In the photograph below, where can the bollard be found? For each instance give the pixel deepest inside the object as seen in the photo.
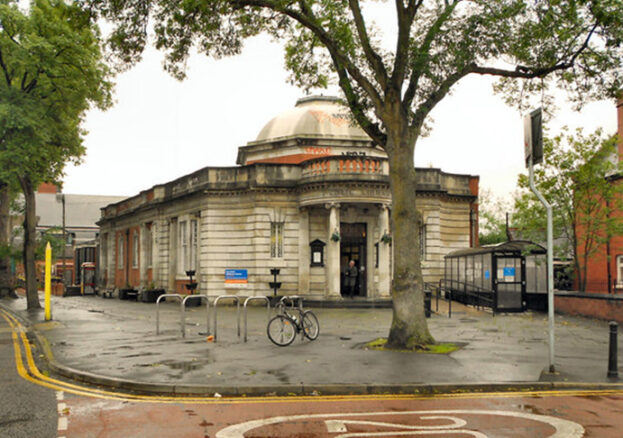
(613, 369)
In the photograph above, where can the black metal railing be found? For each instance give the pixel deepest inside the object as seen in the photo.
(468, 294)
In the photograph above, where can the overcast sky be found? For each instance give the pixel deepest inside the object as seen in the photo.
(161, 129)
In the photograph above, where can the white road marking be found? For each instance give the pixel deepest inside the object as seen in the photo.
(563, 428)
(62, 423)
(60, 408)
(60, 395)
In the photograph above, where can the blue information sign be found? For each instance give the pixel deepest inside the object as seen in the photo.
(509, 272)
(236, 277)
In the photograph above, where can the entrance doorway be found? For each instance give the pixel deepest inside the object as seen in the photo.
(353, 247)
(509, 283)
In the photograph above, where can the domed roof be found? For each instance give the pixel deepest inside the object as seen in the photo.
(316, 116)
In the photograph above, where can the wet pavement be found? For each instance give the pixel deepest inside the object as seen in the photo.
(114, 343)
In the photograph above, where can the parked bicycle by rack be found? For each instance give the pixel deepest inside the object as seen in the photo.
(282, 329)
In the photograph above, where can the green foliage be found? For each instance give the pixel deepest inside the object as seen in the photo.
(577, 180)
(53, 236)
(50, 73)
(492, 218)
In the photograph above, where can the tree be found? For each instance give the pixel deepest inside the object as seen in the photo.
(391, 92)
(51, 71)
(492, 213)
(575, 180)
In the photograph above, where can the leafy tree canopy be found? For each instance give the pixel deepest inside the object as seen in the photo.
(577, 178)
(50, 73)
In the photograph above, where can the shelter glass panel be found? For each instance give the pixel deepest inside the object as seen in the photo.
(531, 274)
(541, 273)
(486, 271)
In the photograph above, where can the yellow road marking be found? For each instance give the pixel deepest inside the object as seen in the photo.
(32, 374)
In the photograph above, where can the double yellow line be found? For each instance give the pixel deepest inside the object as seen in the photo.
(28, 370)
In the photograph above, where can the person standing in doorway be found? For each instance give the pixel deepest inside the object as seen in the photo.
(351, 278)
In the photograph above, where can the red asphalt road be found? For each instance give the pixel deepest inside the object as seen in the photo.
(503, 415)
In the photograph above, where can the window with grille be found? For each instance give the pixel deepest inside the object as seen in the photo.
(148, 249)
(120, 252)
(183, 247)
(192, 245)
(276, 239)
(135, 248)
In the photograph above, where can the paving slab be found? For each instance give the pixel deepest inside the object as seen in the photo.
(114, 342)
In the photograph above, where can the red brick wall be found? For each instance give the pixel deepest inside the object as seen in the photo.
(606, 309)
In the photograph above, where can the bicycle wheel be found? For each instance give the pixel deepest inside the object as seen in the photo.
(281, 330)
(311, 328)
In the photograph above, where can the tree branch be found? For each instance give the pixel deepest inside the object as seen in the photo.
(525, 72)
(308, 21)
(5, 70)
(375, 61)
(372, 129)
(423, 52)
(435, 97)
(405, 18)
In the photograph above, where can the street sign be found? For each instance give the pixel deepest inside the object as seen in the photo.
(533, 137)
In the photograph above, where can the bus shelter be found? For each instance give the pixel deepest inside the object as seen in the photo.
(508, 277)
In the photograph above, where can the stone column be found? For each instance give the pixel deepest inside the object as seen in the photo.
(304, 256)
(384, 253)
(333, 252)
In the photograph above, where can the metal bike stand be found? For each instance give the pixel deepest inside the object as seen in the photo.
(158, 310)
(245, 311)
(220, 297)
(183, 311)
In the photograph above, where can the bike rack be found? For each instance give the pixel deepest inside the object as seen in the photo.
(245, 311)
(158, 311)
(234, 297)
(183, 304)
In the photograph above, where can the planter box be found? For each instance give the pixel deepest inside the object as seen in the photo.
(126, 294)
(151, 295)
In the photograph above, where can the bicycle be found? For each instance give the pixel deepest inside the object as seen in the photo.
(282, 328)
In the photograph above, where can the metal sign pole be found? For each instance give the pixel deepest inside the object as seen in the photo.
(550, 266)
(533, 149)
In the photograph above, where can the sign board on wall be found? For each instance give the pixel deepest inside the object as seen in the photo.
(236, 278)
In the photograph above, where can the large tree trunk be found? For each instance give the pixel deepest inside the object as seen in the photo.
(409, 327)
(30, 240)
(6, 285)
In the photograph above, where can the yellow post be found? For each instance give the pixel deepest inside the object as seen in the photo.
(48, 281)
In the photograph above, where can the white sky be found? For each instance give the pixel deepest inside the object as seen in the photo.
(161, 129)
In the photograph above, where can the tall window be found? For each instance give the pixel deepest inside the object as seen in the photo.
(120, 252)
(276, 239)
(183, 245)
(192, 247)
(135, 248)
(147, 245)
